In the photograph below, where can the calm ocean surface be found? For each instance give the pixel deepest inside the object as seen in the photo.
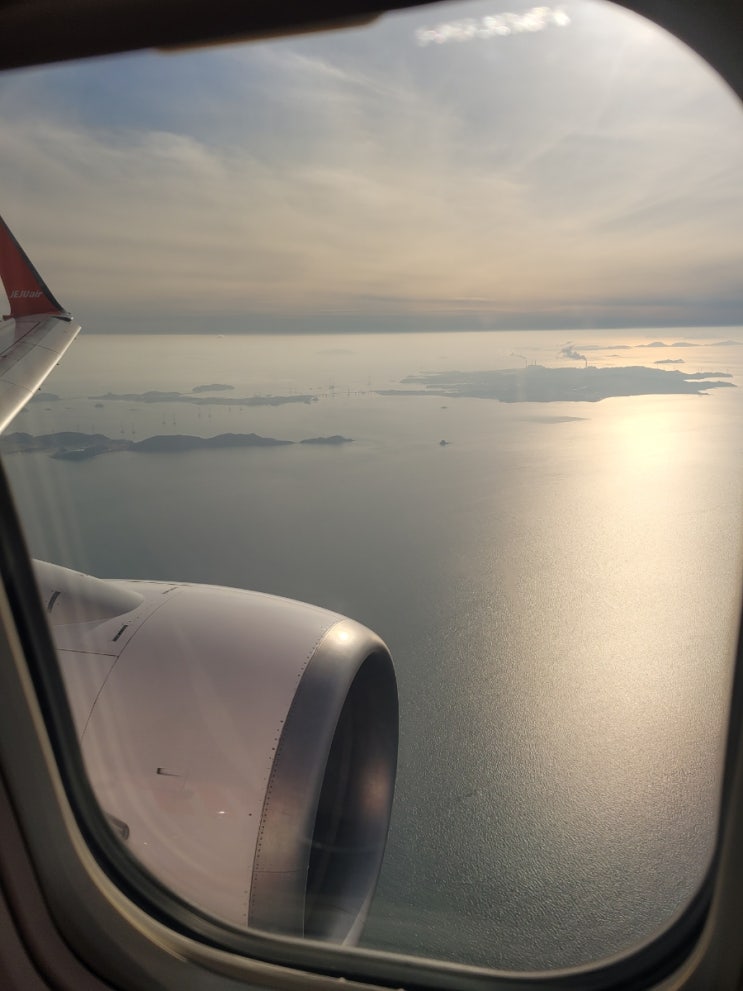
(558, 586)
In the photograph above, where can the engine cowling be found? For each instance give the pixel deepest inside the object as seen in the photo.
(244, 744)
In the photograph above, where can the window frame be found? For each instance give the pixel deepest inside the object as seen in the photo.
(86, 913)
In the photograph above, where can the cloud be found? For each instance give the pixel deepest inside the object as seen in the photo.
(493, 25)
(606, 347)
(358, 181)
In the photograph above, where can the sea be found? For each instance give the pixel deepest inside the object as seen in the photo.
(559, 583)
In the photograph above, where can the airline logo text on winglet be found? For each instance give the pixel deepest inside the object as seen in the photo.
(25, 294)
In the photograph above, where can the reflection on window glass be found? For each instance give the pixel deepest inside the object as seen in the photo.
(430, 324)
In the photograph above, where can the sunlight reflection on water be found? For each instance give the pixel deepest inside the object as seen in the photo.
(558, 586)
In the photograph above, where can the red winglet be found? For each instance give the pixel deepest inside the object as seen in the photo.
(27, 292)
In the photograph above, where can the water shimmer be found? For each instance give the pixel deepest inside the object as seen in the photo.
(558, 583)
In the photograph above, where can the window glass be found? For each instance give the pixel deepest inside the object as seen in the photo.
(481, 267)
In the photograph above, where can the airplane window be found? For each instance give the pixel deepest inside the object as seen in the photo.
(436, 325)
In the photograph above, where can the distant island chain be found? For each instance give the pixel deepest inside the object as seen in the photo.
(70, 445)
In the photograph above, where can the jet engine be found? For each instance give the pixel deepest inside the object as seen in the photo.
(243, 745)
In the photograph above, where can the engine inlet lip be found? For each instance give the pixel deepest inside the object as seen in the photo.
(346, 701)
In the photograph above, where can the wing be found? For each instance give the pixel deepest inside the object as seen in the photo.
(34, 335)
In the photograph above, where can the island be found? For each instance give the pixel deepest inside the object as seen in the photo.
(156, 396)
(335, 439)
(167, 443)
(540, 384)
(68, 445)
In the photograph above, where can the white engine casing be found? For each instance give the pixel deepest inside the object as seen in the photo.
(246, 744)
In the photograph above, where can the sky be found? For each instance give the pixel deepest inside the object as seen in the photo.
(471, 165)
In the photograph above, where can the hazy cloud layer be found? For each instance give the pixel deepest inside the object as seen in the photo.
(359, 180)
(662, 344)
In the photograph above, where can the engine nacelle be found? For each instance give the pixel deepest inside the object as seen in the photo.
(245, 744)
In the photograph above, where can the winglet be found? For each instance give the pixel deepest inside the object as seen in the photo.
(27, 292)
